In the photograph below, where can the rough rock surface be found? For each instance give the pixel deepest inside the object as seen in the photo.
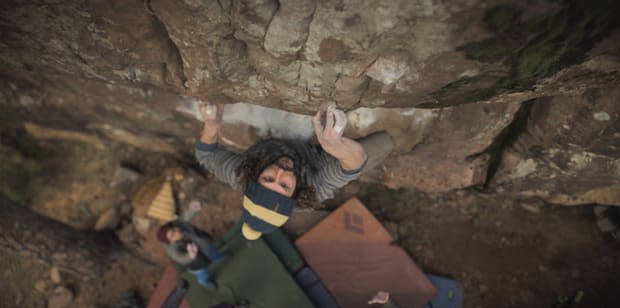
(302, 52)
(450, 157)
(569, 150)
(474, 93)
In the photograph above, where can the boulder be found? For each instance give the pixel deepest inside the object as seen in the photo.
(451, 157)
(568, 152)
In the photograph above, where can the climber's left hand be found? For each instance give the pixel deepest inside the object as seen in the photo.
(212, 117)
(349, 153)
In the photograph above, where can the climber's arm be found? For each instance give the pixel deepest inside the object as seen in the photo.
(212, 118)
(218, 161)
(331, 176)
(348, 152)
(189, 213)
(343, 160)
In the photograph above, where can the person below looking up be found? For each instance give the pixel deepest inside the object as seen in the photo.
(278, 174)
(190, 247)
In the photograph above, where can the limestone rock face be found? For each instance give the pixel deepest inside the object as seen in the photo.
(296, 54)
(196, 29)
(569, 150)
(450, 157)
(513, 97)
(288, 30)
(251, 18)
(115, 42)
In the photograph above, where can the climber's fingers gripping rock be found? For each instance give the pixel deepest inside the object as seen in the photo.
(212, 117)
(329, 134)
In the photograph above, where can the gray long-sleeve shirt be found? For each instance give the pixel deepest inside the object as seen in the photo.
(177, 250)
(329, 176)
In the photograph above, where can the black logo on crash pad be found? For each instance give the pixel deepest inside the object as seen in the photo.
(353, 222)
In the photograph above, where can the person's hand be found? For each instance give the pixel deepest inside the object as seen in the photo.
(192, 250)
(349, 153)
(212, 117)
(381, 297)
(330, 134)
(195, 205)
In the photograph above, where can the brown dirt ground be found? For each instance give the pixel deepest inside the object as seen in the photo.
(503, 254)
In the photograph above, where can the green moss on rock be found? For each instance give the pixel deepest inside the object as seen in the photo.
(502, 19)
(566, 39)
(532, 49)
(21, 172)
(28, 146)
(18, 174)
(489, 50)
(504, 22)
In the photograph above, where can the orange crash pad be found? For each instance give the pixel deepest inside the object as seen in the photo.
(351, 252)
(165, 285)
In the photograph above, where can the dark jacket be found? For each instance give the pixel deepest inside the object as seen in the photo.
(177, 251)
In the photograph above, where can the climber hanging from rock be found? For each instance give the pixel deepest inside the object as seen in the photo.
(278, 174)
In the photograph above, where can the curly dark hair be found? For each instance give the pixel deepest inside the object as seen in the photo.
(265, 153)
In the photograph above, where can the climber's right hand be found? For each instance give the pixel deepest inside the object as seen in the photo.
(192, 250)
(212, 117)
(195, 205)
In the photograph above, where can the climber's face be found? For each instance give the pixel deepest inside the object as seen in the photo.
(279, 177)
(174, 234)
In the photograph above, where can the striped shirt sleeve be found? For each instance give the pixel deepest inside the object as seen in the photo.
(331, 176)
(220, 162)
